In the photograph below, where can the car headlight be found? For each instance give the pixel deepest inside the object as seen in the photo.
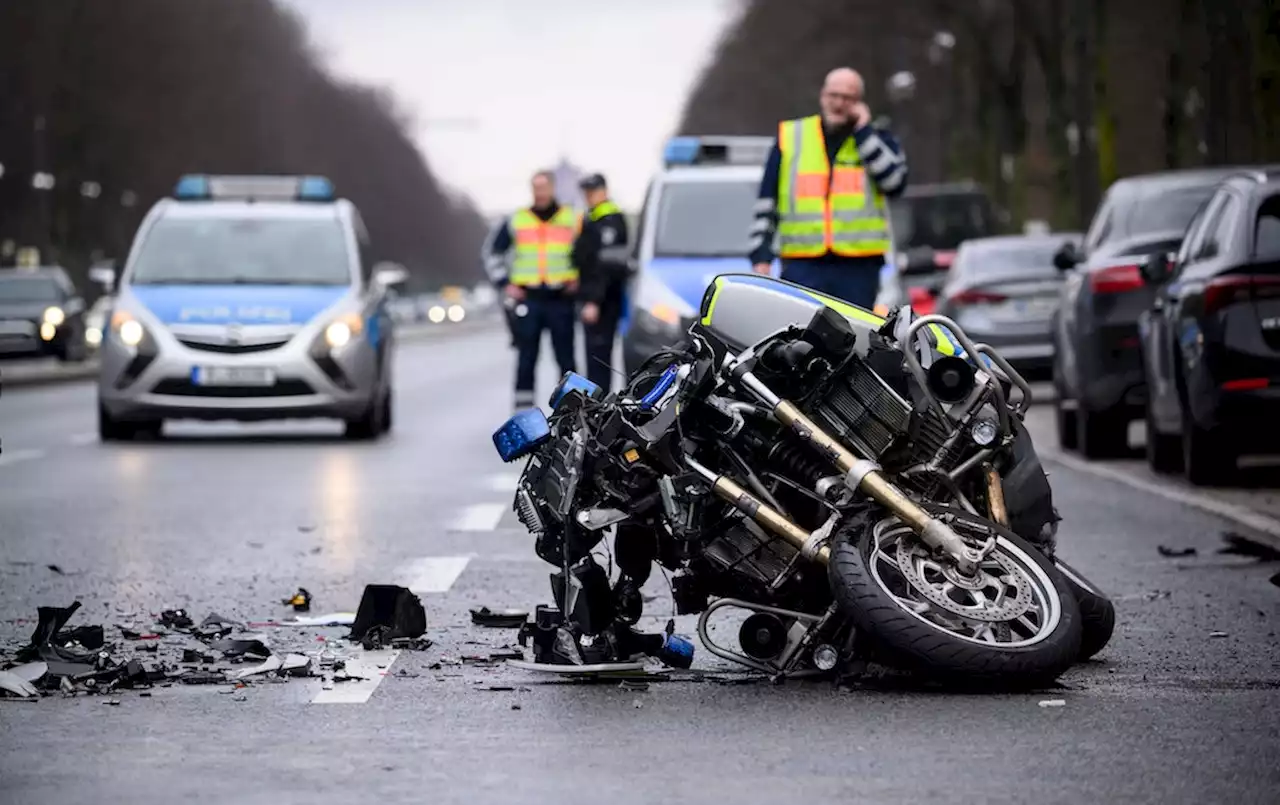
(127, 328)
(456, 313)
(55, 316)
(340, 331)
(93, 336)
(436, 314)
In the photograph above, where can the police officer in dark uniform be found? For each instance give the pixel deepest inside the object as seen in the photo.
(601, 254)
(530, 261)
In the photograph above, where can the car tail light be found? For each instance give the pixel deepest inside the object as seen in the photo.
(976, 298)
(1116, 279)
(944, 259)
(1232, 288)
(1246, 384)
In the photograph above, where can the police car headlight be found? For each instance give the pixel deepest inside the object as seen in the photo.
(457, 313)
(55, 316)
(128, 329)
(661, 303)
(340, 332)
(93, 336)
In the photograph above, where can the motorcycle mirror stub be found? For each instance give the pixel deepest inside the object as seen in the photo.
(830, 332)
(571, 382)
(521, 434)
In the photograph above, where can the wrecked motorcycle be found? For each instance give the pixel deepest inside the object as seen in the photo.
(863, 487)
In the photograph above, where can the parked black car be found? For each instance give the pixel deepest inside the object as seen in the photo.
(1211, 340)
(41, 314)
(1097, 367)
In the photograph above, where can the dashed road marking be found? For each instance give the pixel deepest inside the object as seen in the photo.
(435, 574)
(17, 456)
(480, 517)
(1267, 527)
(371, 667)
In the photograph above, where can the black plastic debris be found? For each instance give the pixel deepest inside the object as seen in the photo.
(241, 647)
(301, 600)
(1173, 553)
(50, 643)
(90, 637)
(412, 643)
(214, 626)
(390, 606)
(57, 570)
(499, 618)
(176, 619)
(1242, 545)
(192, 656)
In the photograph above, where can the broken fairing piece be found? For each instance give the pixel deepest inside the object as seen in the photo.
(499, 618)
(272, 663)
(604, 668)
(390, 606)
(301, 600)
(12, 683)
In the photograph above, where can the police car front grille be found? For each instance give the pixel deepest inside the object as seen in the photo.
(183, 387)
(234, 349)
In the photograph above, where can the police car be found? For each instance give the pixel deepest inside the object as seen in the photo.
(248, 298)
(695, 224)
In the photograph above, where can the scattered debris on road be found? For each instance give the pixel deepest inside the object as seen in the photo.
(394, 608)
(499, 618)
(1053, 703)
(1173, 553)
(1218, 634)
(1242, 545)
(301, 600)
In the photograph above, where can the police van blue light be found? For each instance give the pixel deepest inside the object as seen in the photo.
(199, 187)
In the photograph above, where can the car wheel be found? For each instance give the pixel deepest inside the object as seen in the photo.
(1101, 434)
(1066, 419)
(387, 418)
(1164, 452)
(368, 426)
(1206, 461)
(111, 429)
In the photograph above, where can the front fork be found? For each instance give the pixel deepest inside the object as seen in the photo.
(859, 474)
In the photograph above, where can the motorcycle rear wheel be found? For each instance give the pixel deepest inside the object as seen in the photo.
(1019, 625)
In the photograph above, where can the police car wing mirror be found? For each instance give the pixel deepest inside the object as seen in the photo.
(386, 275)
(104, 276)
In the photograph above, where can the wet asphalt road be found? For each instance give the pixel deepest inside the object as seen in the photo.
(233, 519)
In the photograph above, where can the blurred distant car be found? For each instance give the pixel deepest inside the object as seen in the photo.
(694, 225)
(1211, 339)
(1097, 367)
(249, 298)
(929, 223)
(95, 322)
(1003, 291)
(41, 313)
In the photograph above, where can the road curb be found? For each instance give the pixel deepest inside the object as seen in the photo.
(89, 369)
(1264, 527)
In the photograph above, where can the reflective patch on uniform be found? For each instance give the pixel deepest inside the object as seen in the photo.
(608, 236)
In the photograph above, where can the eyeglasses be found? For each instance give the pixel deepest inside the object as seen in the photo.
(841, 96)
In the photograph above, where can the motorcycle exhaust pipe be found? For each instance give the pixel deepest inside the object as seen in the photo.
(866, 476)
(808, 543)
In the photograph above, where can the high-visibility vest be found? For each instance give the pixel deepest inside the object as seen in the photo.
(604, 208)
(542, 248)
(821, 210)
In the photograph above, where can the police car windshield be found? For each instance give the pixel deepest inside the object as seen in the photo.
(243, 251)
(20, 290)
(705, 219)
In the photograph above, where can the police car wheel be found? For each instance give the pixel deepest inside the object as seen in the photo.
(370, 425)
(386, 412)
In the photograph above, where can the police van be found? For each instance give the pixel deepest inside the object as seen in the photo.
(248, 298)
(695, 223)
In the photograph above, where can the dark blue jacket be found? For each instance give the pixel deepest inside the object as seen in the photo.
(885, 163)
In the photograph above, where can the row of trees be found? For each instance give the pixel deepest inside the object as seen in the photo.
(112, 102)
(1046, 102)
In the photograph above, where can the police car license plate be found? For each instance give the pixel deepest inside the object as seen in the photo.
(9, 327)
(233, 376)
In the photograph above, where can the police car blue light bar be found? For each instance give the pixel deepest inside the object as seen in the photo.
(197, 187)
(717, 150)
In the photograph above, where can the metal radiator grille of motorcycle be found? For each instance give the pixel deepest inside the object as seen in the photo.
(863, 411)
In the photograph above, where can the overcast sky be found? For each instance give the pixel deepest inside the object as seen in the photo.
(500, 88)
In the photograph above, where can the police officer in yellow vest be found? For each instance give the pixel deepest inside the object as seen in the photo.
(824, 194)
(530, 261)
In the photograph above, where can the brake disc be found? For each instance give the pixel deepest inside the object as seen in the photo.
(985, 601)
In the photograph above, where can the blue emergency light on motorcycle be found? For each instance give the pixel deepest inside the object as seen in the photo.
(572, 381)
(521, 434)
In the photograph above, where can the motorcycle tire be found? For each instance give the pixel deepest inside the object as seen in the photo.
(906, 639)
(1097, 613)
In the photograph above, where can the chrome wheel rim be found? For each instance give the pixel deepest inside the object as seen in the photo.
(1011, 603)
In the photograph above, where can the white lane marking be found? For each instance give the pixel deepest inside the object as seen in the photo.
(16, 456)
(1267, 527)
(435, 574)
(81, 439)
(480, 517)
(504, 482)
(363, 664)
